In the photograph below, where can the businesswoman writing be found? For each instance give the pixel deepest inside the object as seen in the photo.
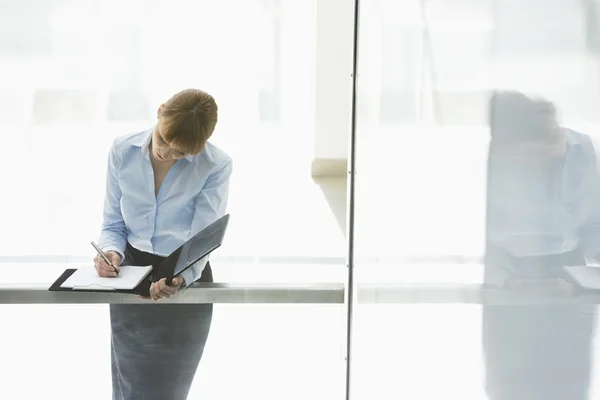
(163, 186)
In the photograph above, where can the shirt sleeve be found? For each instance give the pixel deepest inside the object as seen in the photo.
(590, 229)
(211, 204)
(113, 234)
(588, 199)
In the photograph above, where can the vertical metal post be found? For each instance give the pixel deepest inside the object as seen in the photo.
(351, 204)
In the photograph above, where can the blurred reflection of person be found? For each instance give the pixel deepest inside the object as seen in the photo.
(542, 187)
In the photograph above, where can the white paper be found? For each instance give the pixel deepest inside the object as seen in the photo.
(87, 278)
(586, 276)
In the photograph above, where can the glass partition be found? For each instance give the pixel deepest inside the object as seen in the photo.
(476, 172)
(292, 351)
(476, 176)
(76, 74)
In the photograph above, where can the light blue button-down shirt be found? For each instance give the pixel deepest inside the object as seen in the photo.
(193, 195)
(563, 204)
(559, 202)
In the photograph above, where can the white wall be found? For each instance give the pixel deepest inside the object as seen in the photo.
(333, 85)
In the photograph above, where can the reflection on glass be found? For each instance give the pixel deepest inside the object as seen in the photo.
(542, 215)
(429, 213)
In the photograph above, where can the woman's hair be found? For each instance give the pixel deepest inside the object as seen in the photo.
(515, 117)
(188, 119)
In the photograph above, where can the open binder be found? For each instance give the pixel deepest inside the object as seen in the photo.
(184, 257)
(534, 256)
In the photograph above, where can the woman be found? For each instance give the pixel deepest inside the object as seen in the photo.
(164, 185)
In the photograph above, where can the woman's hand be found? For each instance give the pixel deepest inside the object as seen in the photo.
(160, 290)
(547, 287)
(103, 269)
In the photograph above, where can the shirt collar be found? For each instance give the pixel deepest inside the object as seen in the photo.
(573, 138)
(143, 141)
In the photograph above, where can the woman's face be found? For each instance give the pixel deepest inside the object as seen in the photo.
(160, 148)
(550, 147)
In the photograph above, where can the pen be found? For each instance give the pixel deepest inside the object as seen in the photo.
(104, 257)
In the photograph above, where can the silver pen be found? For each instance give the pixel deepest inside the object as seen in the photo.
(104, 258)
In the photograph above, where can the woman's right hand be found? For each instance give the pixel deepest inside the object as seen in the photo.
(103, 269)
(547, 287)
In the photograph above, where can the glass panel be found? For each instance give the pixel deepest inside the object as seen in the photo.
(77, 74)
(247, 353)
(421, 178)
(476, 173)
(430, 351)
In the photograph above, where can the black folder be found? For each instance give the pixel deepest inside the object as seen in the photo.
(527, 256)
(184, 257)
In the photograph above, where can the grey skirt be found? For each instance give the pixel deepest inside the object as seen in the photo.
(538, 352)
(156, 348)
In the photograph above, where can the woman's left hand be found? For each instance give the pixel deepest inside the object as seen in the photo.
(160, 290)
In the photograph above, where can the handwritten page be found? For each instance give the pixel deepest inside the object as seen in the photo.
(586, 276)
(86, 278)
